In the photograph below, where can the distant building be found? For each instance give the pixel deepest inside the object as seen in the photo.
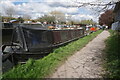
(116, 24)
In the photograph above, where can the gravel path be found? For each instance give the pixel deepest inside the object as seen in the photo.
(86, 63)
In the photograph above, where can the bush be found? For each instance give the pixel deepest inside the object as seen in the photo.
(113, 55)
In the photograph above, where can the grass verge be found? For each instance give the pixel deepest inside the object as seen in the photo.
(43, 67)
(112, 52)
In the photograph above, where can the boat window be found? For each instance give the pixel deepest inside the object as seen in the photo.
(36, 38)
(16, 38)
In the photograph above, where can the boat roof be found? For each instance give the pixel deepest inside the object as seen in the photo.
(34, 26)
(41, 27)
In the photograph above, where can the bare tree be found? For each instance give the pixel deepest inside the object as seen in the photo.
(59, 16)
(98, 5)
(10, 11)
(26, 17)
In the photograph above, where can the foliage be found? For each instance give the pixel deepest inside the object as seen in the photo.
(72, 22)
(82, 22)
(20, 19)
(59, 16)
(46, 18)
(106, 18)
(7, 19)
(87, 22)
(44, 67)
(113, 55)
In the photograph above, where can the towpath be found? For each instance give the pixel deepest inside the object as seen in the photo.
(86, 63)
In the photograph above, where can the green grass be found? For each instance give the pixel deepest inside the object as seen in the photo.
(113, 55)
(44, 67)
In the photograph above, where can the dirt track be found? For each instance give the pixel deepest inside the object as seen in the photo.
(86, 63)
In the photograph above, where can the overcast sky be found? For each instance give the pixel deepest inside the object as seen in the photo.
(37, 8)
